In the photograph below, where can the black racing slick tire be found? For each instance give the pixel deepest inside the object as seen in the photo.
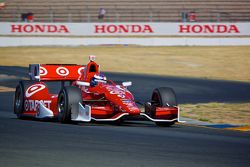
(68, 103)
(19, 97)
(19, 100)
(163, 97)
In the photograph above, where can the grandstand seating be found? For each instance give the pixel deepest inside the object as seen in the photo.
(127, 10)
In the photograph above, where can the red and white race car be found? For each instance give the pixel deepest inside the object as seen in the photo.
(88, 97)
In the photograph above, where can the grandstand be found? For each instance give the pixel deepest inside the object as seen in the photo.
(127, 10)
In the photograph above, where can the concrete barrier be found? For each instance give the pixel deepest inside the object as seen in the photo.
(144, 29)
(151, 41)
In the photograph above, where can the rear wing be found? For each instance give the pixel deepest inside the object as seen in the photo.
(56, 72)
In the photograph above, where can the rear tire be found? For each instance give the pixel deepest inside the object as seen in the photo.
(68, 103)
(163, 97)
(19, 97)
(19, 100)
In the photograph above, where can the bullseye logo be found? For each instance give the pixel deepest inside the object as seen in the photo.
(43, 71)
(80, 70)
(62, 71)
(34, 89)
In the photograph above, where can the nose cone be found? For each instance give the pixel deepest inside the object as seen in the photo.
(132, 109)
(121, 97)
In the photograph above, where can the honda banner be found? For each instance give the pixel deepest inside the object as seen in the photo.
(125, 29)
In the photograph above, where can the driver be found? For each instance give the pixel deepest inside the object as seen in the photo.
(98, 78)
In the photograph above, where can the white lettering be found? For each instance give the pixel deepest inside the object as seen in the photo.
(33, 105)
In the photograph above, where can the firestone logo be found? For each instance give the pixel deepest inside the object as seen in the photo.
(123, 29)
(39, 28)
(209, 29)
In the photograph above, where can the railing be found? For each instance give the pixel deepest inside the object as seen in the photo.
(131, 15)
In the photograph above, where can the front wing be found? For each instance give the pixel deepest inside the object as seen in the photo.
(84, 115)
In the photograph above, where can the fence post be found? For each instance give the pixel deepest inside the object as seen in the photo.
(51, 15)
(69, 15)
(17, 16)
(88, 15)
(151, 16)
(88, 18)
(218, 17)
(117, 17)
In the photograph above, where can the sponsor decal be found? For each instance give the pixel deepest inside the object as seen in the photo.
(208, 28)
(63, 71)
(114, 91)
(39, 28)
(99, 107)
(80, 70)
(118, 93)
(131, 105)
(34, 89)
(33, 105)
(123, 29)
(43, 71)
(124, 101)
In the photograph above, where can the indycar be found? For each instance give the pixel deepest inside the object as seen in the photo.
(86, 95)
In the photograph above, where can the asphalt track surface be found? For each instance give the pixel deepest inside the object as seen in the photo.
(48, 143)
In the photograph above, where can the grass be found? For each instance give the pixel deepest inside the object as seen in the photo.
(238, 114)
(6, 89)
(228, 63)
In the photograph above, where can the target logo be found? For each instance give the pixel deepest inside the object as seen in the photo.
(34, 89)
(43, 71)
(62, 71)
(80, 70)
(33, 105)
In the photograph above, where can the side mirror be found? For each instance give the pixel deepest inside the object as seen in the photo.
(127, 83)
(81, 83)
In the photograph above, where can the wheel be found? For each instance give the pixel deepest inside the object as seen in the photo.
(163, 97)
(19, 97)
(19, 100)
(68, 103)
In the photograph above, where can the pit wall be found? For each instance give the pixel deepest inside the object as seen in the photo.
(149, 34)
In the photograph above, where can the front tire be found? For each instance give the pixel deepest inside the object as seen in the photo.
(163, 97)
(68, 103)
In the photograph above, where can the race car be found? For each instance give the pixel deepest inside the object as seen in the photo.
(88, 96)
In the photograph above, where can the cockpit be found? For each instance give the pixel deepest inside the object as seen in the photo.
(98, 78)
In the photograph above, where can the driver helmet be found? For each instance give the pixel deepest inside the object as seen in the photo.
(97, 79)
